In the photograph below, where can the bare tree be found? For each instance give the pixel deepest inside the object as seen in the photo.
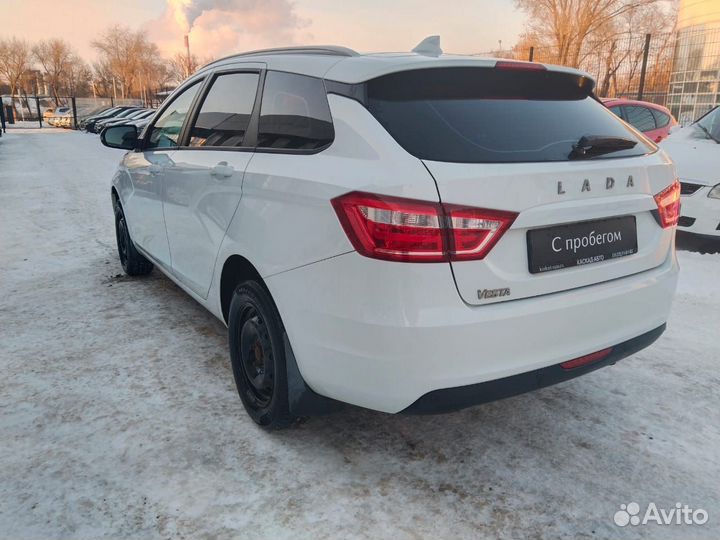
(102, 79)
(75, 80)
(55, 56)
(133, 62)
(15, 60)
(181, 66)
(569, 24)
(619, 45)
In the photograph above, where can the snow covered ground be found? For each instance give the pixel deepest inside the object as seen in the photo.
(119, 417)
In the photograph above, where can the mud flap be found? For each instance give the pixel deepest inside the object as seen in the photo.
(303, 401)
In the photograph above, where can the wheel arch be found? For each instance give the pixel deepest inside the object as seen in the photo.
(303, 400)
(236, 269)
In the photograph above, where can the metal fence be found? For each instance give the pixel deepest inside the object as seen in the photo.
(680, 70)
(62, 112)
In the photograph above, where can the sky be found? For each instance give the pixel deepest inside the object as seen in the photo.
(220, 27)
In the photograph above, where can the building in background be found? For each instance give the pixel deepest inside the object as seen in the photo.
(695, 77)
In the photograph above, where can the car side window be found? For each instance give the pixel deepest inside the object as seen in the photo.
(225, 113)
(295, 113)
(166, 130)
(640, 117)
(661, 119)
(617, 111)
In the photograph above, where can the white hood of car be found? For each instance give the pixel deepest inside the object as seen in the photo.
(696, 158)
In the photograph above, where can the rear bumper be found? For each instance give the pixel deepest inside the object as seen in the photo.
(383, 335)
(700, 214)
(453, 399)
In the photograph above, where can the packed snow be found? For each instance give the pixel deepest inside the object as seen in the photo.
(119, 416)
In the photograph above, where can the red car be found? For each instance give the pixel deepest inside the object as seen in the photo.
(653, 120)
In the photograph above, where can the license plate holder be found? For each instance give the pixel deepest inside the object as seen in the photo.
(581, 243)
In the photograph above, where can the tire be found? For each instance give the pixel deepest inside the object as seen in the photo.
(133, 263)
(257, 353)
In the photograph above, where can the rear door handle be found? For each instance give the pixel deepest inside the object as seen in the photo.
(222, 170)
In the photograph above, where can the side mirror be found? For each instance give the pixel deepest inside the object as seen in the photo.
(122, 137)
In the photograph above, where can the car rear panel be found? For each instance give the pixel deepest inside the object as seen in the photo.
(532, 190)
(519, 138)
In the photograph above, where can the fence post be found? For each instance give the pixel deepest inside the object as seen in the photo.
(3, 129)
(37, 105)
(75, 125)
(112, 101)
(643, 70)
(532, 54)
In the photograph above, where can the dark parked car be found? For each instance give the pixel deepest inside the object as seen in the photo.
(89, 123)
(121, 119)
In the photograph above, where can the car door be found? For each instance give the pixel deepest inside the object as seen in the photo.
(143, 203)
(203, 183)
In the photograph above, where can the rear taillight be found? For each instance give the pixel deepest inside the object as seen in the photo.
(474, 231)
(391, 228)
(407, 230)
(668, 203)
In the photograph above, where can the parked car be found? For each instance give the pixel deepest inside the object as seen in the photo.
(97, 114)
(48, 113)
(134, 115)
(389, 231)
(61, 117)
(97, 125)
(89, 124)
(695, 149)
(141, 124)
(655, 121)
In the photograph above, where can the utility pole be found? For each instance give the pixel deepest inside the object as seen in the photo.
(643, 70)
(37, 105)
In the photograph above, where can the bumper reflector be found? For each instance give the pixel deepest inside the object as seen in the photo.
(587, 359)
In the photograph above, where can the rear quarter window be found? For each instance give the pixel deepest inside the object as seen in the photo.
(661, 119)
(483, 115)
(295, 114)
(640, 117)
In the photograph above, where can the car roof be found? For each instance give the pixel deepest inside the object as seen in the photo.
(345, 65)
(608, 102)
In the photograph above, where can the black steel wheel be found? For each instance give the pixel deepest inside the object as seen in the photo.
(133, 263)
(257, 352)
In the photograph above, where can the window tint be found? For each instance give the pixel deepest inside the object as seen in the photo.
(166, 131)
(616, 111)
(294, 113)
(484, 115)
(640, 117)
(225, 113)
(661, 119)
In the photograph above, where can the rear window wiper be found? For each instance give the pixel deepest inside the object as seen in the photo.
(590, 146)
(707, 132)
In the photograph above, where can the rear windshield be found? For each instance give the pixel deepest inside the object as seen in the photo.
(484, 115)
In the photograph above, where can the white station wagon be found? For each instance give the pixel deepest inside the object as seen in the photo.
(409, 232)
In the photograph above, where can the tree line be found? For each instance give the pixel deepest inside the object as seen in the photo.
(128, 66)
(596, 35)
(603, 37)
